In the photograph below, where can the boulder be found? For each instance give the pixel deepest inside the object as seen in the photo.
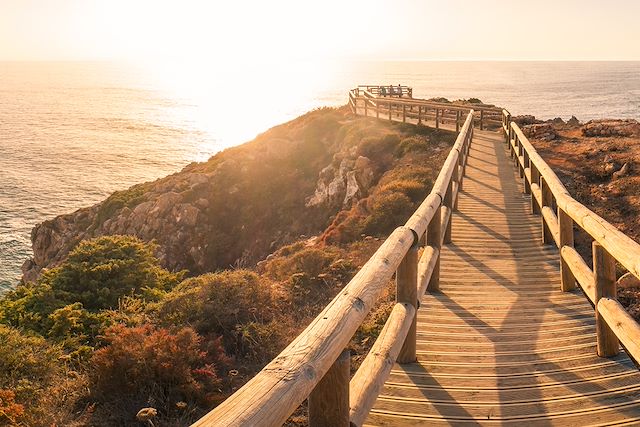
(573, 122)
(624, 171)
(525, 120)
(624, 128)
(542, 131)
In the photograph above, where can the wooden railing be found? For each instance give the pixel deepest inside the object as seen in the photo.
(387, 90)
(421, 111)
(316, 365)
(559, 213)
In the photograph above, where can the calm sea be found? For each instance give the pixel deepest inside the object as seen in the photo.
(72, 133)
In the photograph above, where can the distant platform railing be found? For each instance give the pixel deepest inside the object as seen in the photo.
(365, 100)
(559, 213)
(316, 365)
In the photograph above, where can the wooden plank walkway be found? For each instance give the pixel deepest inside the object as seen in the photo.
(501, 344)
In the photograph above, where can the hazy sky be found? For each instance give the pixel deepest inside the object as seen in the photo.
(296, 29)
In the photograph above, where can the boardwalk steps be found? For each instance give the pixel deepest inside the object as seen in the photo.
(493, 324)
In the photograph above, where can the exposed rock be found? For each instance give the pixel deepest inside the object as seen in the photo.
(543, 131)
(557, 121)
(352, 190)
(611, 128)
(525, 120)
(624, 171)
(628, 280)
(211, 214)
(573, 122)
(345, 185)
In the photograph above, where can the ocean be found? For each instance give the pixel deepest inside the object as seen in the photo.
(72, 133)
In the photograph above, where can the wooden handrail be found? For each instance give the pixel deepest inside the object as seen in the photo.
(548, 196)
(275, 392)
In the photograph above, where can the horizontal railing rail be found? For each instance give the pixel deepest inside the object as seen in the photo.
(559, 213)
(315, 365)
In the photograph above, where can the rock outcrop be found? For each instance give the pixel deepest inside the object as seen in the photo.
(542, 131)
(230, 210)
(611, 128)
(341, 186)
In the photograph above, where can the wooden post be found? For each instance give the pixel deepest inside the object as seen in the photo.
(458, 121)
(377, 110)
(365, 107)
(535, 178)
(437, 115)
(565, 227)
(407, 292)
(419, 114)
(389, 104)
(547, 200)
(455, 177)
(481, 119)
(527, 185)
(404, 113)
(448, 202)
(329, 400)
(604, 272)
(434, 239)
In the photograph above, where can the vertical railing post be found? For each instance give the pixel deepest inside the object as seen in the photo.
(565, 227)
(365, 107)
(481, 119)
(407, 292)
(547, 200)
(329, 400)
(419, 114)
(404, 113)
(535, 178)
(448, 202)
(527, 185)
(455, 179)
(458, 121)
(377, 109)
(389, 104)
(437, 119)
(434, 239)
(604, 272)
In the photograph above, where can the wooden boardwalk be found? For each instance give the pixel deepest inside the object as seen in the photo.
(500, 343)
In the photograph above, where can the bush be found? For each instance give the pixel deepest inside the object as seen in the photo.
(389, 210)
(222, 304)
(10, 411)
(144, 366)
(414, 190)
(412, 144)
(100, 271)
(378, 149)
(28, 364)
(29, 306)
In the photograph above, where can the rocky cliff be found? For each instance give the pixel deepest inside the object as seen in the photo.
(234, 209)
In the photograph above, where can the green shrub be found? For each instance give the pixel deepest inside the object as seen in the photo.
(29, 306)
(412, 144)
(27, 364)
(379, 149)
(388, 211)
(100, 271)
(222, 304)
(416, 191)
